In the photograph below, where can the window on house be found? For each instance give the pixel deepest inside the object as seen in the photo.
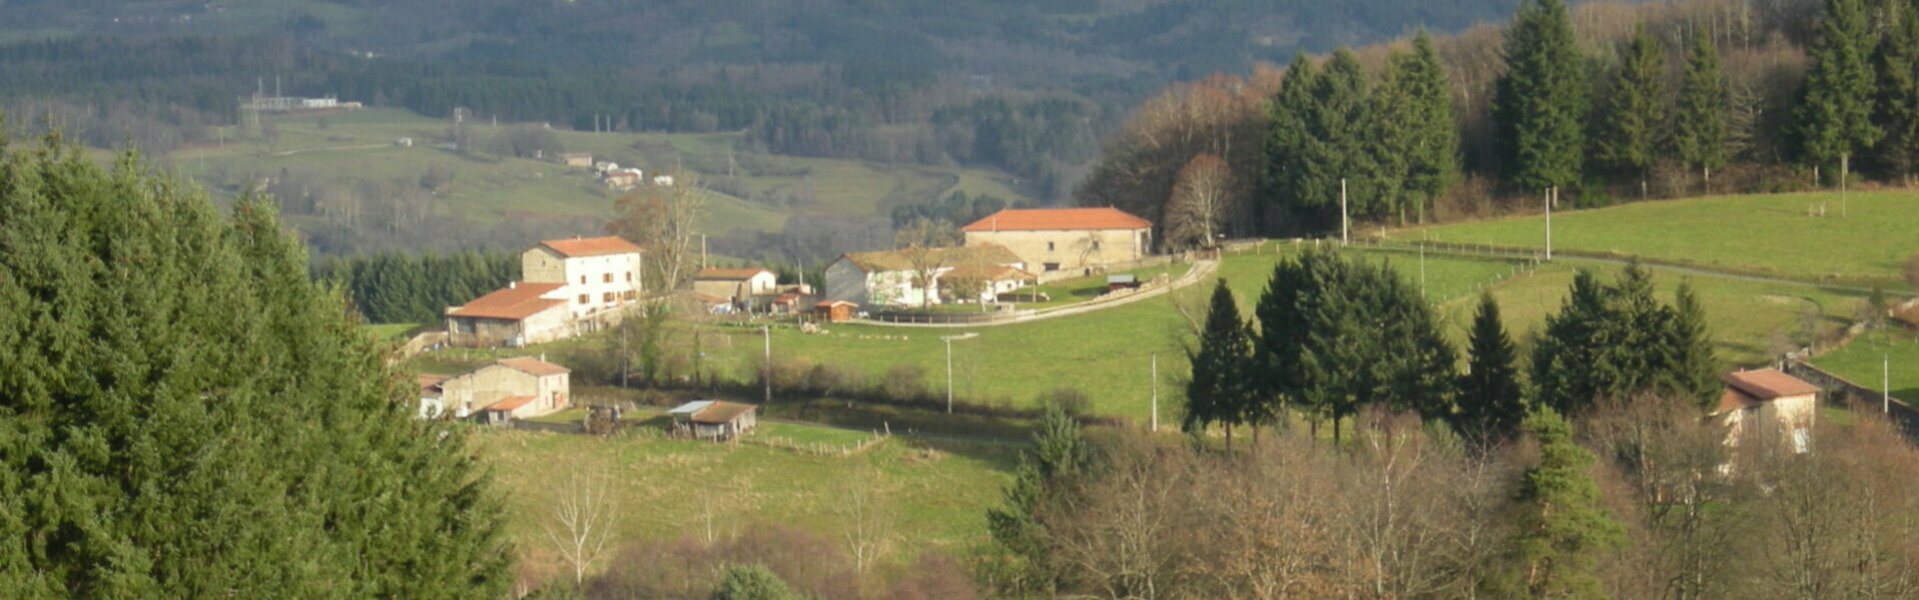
(584, 298)
(1052, 266)
(582, 280)
(1095, 244)
(606, 278)
(1049, 246)
(607, 298)
(629, 277)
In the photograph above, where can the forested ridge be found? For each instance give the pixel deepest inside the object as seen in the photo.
(1594, 104)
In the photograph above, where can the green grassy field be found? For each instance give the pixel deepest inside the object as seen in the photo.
(1750, 321)
(1757, 233)
(360, 145)
(390, 331)
(1887, 353)
(933, 494)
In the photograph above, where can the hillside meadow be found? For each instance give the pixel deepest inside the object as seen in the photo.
(1767, 234)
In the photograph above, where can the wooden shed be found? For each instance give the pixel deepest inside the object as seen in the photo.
(715, 420)
(834, 311)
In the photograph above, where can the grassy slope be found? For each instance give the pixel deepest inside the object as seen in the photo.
(360, 144)
(1762, 233)
(1876, 355)
(937, 492)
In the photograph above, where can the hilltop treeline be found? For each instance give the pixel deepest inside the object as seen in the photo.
(1605, 102)
(415, 288)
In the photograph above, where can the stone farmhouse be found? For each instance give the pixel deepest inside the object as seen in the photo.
(891, 278)
(1767, 402)
(1065, 239)
(568, 287)
(513, 388)
(735, 284)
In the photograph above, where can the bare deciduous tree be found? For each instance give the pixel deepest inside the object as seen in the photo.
(582, 524)
(924, 245)
(663, 220)
(1200, 193)
(868, 530)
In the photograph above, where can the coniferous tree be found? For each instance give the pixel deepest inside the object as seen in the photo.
(1540, 103)
(740, 582)
(1337, 334)
(1418, 140)
(185, 414)
(1634, 124)
(1695, 364)
(1219, 391)
(1563, 527)
(1059, 454)
(1700, 120)
(1897, 61)
(1835, 108)
(1565, 357)
(1342, 120)
(1491, 404)
(1290, 144)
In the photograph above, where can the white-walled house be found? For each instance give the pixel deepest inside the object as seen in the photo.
(1768, 402)
(890, 278)
(568, 286)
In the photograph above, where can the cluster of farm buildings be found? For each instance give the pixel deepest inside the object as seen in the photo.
(579, 285)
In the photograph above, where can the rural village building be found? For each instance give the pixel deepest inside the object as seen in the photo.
(1768, 402)
(738, 285)
(577, 159)
(569, 286)
(513, 388)
(715, 420)
(1065, 239)
(890, 278)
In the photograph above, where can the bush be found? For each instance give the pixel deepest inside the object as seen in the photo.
(905, 383)
(1073, 402)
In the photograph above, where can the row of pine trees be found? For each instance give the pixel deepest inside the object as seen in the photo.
(409, 288)
(1333, 335)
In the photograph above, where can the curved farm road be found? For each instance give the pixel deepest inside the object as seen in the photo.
(1201, 269)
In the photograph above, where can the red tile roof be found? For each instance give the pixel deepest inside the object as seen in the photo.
(533, 366)
(728, 274)
(509, 404)
(514, 302)
(598, 246)
(1058, 219)
(1768, 384)
(721, 412)
(432, 382)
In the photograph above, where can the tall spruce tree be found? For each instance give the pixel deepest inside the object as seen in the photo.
(1290, 147)
(1700, 120)
(1563, 527)
(1632, 132)
(1695, 364)
(1220, 391)
(1343, 121)
(1616, 341)
(1897, 61)
(1834, 116)
(1491, 403)
(185, 414)
(1419, 139)
(1540, 104)
(1338, 334)
(1059, 454)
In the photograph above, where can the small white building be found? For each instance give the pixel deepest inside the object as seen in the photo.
(570, 286)
(892, 278)
(735, 284)
(1768, 402)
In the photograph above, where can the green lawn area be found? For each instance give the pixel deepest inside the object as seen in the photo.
(1890, 353)
(1750, 321)
(1081, 289)
(935, 493)
(390, 331)
(807, 436)
(1757, 233)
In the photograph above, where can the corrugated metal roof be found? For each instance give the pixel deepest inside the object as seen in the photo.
(721, 412)
(691, 408)
(1058, 219)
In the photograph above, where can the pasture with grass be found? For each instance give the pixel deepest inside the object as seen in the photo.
(1780, 235)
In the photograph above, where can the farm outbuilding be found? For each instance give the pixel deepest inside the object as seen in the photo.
(715, 420)
(834, 311)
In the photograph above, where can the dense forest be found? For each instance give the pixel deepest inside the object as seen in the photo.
(1601, 103)
(184, 414)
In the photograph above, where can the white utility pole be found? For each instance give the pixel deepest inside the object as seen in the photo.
(1155, 391)
(766, 333)
(702, 250)
(949, 365)
(1345, 222)
(1845, 167)
(1885, 384)
(1549, 221)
